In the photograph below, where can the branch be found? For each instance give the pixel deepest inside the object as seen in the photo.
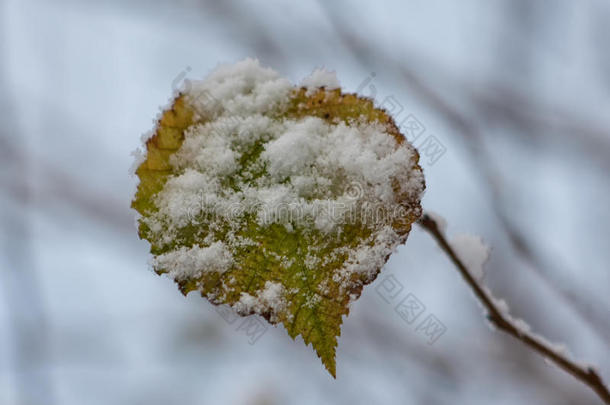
(501, 319)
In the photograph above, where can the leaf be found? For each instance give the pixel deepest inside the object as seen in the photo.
(215, 169)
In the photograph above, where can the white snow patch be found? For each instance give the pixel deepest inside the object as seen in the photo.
(320, 78)
(241, 89)
(271, 299)
(371, 255)
(186, 262)
(138, 158)
(473, 252)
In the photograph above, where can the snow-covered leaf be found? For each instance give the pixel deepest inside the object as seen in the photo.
(275, 199)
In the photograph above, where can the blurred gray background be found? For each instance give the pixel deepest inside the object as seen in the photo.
(515, 93)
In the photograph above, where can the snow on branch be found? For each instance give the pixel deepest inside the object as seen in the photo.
(498, 315)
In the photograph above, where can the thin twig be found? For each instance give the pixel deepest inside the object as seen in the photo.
(504, 322)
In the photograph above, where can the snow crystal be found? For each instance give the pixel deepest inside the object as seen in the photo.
(297, 147)
(371, 254)
(320, 78)
(243, 88)
(270, 300)
(192, 262)
(138, 158)
(523, 328)
(472, 252)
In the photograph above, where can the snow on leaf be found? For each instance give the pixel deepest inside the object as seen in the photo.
(275, 199)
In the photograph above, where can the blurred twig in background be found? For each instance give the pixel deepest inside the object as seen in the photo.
(22, 289)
